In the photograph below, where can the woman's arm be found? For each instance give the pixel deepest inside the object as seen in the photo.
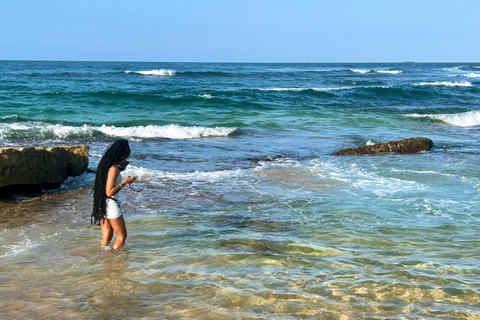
(111, 188)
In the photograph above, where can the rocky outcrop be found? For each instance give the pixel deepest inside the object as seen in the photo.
(407, 146)
(26, 169)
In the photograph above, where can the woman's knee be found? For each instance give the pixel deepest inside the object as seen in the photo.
(122, 236)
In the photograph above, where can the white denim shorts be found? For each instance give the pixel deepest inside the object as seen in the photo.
(113, 209)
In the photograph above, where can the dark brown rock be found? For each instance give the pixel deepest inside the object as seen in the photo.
(407, 146)
(40, 166)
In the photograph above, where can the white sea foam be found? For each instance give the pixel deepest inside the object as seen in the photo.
(454, 69)
(206, 96)
(360, 70)
(390, 71)
(466, 119)
(152, 175)
(361, 177)
(22, 244)
(172, 131)
(445, 84)
(376, 71)
(38, 129)
(13, 116)
(472, 75)
(370, 143)
(155, 72)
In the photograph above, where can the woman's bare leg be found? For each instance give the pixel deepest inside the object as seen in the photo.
(118, 225)
(107, 232)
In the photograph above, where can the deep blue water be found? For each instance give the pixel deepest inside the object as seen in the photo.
(245, 212)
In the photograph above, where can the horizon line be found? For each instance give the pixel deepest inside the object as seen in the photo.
(246, 62)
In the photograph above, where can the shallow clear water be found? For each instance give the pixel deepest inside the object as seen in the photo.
(245, 213)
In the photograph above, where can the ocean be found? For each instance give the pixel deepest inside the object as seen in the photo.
(245, 213)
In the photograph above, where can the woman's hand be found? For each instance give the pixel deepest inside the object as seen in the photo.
(129, 180)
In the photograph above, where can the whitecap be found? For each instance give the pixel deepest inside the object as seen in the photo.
(370, 143)
(206, 96)
(13, 116)
(390, 71)
(360, 70)
(466, 119)
(363, 71)
(172, 131)
(445, 84)
(38, 129)
(155, 72)
(453, 69)
(471, 75)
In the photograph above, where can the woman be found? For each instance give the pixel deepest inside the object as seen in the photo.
(106, 208)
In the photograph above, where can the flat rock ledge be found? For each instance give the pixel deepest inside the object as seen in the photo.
(33, 168)
(407, 146)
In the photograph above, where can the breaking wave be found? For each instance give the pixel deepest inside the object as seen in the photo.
(172, 131)
(466, 119)
(376, 71)
(49, 131)
(155, 72)
(445, 84)
(472, 75)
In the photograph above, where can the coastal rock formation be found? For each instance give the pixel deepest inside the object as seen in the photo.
(26, 169)
(407, 146)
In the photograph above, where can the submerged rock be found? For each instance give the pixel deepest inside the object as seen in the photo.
(407, 146)
(31, 168)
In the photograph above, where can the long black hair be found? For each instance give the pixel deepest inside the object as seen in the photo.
(118, 151)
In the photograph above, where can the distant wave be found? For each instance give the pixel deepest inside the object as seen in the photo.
(205, 96)
(466, 119)
(472, 75)
(445, 84)
(13, 116)
(376, 71)
(49, 131)
(453, 69)
(389, 71)
(155, 72)
(306, 89)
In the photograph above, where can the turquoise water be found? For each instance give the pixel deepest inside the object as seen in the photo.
(245, 213)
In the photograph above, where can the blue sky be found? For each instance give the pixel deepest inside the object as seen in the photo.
(241, 31)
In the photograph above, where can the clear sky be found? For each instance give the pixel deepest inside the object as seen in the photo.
(241, 30)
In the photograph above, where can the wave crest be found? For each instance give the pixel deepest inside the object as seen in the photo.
(445, 84)
(376, 71)
(172, 131)
(465, 119)
(155, 72)
(472, 75)
(27, 130)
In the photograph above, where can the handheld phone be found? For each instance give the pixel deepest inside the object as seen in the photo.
(123, 166)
